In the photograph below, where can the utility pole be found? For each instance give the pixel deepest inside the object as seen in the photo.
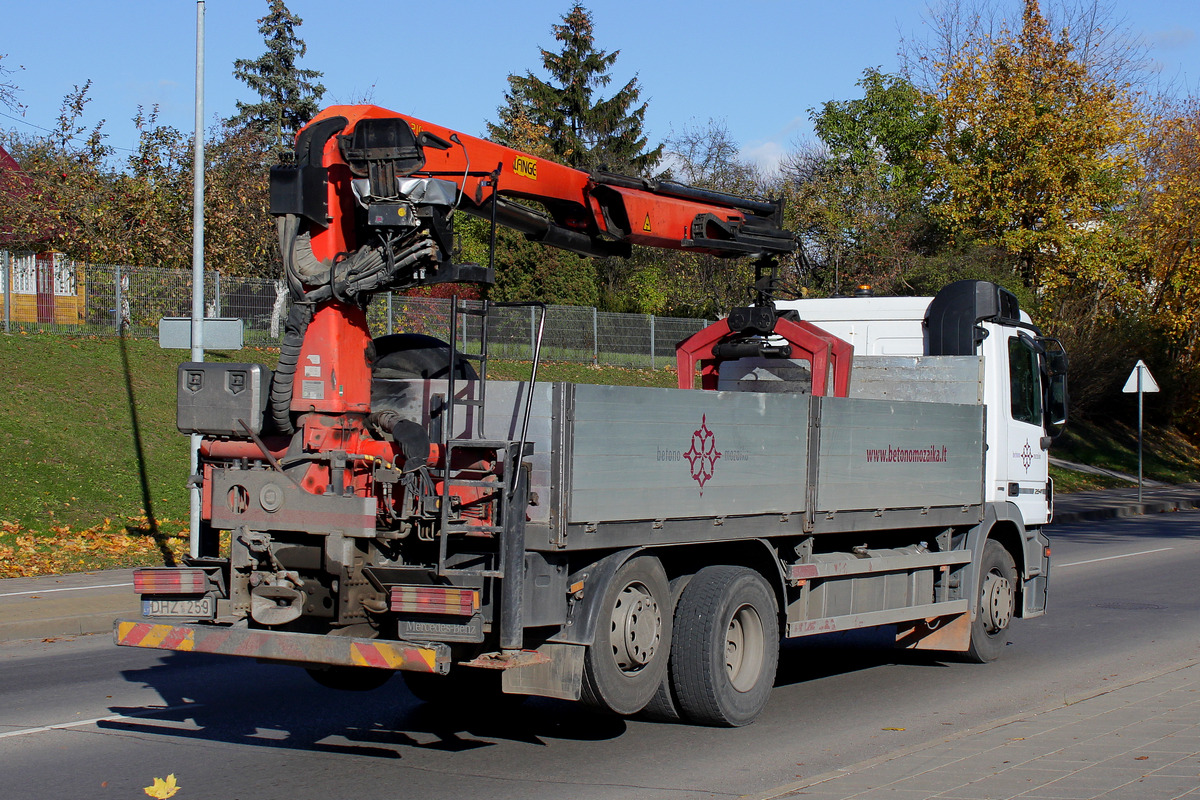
(197, 263)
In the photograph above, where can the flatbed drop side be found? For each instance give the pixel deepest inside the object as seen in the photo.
(641, 550)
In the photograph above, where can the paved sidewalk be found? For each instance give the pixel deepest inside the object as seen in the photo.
(1137, 742)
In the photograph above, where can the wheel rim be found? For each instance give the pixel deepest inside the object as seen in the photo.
(636, 628)
(744, 648)
(997, 602)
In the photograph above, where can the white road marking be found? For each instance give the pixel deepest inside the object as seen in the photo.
(80, 723)
(69, 589)
(1110, 558)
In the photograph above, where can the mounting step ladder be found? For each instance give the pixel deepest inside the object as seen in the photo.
(466, 548)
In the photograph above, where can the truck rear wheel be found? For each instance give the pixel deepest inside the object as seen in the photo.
(997, 603)
(726, 646)
(628, 660)
(663, 707)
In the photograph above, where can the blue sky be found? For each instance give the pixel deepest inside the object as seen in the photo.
(758, 65)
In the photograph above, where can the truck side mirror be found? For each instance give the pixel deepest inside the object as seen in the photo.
(1054, 380)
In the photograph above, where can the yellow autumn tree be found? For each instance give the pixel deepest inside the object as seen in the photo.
(1035, 155)
(1168, 225)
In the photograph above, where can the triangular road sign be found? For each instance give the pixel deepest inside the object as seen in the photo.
(1148, 382)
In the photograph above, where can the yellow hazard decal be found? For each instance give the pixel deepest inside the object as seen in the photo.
(646, 224)
(525, 167)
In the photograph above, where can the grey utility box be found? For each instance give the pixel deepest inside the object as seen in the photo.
(214, 399)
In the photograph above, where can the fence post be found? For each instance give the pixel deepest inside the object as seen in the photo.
(217, 293)
(532, 334)
(595, 339)
(651, 341)
(117, 297)
(8, 279)
(389, 312)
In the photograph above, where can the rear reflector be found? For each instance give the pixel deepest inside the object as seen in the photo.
(169, 580)
(435, 600)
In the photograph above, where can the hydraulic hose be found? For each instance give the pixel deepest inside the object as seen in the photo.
(298, 319)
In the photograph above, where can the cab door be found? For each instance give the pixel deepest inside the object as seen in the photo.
(1025, 458)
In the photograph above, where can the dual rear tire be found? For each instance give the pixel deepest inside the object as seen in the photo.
(726, 646)
(703, 648)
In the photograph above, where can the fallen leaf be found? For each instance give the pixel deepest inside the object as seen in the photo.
(1141, 758)
(894, 729)
(162, 789)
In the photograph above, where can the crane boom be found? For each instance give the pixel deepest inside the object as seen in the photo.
(398, 165)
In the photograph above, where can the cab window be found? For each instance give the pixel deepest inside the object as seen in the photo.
(1023, 382)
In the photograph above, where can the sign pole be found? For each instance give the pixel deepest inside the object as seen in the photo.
(1140, 381)
(1140, 394)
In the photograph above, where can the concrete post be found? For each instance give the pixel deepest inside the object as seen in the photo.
(117, 299)
(651, 341)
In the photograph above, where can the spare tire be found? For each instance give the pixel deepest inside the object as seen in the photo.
(415, 355)
(403, 357)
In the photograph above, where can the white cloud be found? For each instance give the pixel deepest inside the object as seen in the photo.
(766, 155)
(1173, 39)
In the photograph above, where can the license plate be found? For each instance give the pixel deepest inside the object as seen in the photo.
(193, 607)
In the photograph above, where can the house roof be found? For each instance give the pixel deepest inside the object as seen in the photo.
(7, 162)
(15, 183)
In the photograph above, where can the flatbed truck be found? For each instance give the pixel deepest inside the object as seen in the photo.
(376, 505)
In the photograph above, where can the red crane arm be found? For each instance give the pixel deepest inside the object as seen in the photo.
(593, 213)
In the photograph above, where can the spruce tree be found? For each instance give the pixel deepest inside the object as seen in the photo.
(582, 130)
(288, 95)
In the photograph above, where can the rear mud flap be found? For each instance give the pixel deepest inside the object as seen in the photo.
(559, 676)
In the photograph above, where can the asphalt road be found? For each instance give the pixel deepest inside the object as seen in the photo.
(81, 718)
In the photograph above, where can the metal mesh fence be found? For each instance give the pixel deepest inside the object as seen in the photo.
(51, 294)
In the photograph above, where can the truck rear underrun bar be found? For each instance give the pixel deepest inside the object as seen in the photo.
(315, 649)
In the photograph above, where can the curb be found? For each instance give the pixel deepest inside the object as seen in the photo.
(1133, 509)
(65, 605)
(80, 625)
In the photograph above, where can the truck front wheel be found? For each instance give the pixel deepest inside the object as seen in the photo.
(627, 661)
(997, 603)
(726, 646)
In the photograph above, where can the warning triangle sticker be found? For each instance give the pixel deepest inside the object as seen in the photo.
(646, 224)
